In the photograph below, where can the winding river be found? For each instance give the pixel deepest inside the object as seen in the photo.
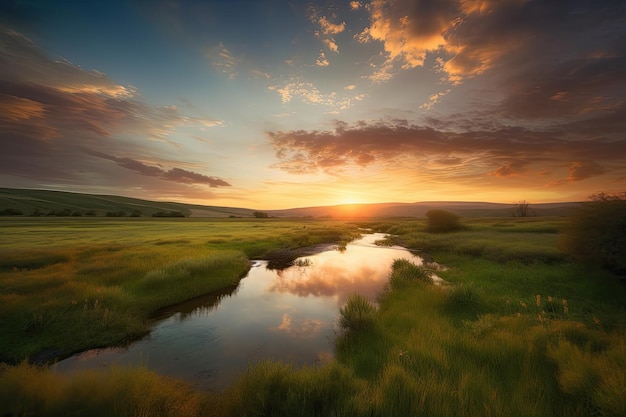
(288, 315)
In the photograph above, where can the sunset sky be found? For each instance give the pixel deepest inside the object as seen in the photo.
(279, 104)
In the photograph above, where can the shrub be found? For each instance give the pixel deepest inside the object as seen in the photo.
(442, 221)
(357, 314)
(596, 233)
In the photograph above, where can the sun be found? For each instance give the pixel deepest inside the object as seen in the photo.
(349, 201)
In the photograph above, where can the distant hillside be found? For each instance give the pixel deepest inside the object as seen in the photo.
(419, 209)
(44, 202)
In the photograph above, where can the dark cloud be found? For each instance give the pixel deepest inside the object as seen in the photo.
(546, 80)
(175, 174)
(189, 177)
(502, 152)
(548, 59)
(59, 122)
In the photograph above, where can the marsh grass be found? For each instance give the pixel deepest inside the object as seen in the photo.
(73, 284)
(357, 314)
(511, 334)
(28, 390)
(272, 388)
(406, 272)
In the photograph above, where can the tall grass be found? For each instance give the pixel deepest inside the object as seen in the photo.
(73, 284)
(510, 334)
(28, 390)
(357, 314)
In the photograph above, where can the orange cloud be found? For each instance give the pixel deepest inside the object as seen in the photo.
(329, 28)
(580, 170)
(17, 108)
(510, 169)
(409, 29)
(444, 155)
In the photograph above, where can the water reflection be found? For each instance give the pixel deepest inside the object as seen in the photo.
(287, 315)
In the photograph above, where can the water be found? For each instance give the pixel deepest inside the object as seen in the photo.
(288, 315)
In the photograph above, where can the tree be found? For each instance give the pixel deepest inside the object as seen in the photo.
(260, 215)
(522, 209)
(168, 214)
(11, 212)
(442, 221)
(596, 233)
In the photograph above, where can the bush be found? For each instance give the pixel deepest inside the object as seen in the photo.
(596, 233)
(442, 221)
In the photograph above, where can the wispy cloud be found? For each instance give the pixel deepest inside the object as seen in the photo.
(174, 174)
(60, 122)
(308, 93)
(223, 60)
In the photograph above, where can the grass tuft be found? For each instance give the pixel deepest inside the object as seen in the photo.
(357, 314)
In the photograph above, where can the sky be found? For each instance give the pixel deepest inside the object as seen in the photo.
(271, 104)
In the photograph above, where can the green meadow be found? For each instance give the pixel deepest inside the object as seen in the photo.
(517, 329)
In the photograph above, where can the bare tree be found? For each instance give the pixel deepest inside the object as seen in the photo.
(521, 209)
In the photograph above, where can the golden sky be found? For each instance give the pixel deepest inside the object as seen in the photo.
(280, 104)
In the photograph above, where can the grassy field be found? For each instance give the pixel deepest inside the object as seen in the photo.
(517, 330)
(72, 284)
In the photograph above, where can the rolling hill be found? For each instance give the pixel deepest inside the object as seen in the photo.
(44, 202)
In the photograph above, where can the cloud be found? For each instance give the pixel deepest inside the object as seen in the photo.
(567, 42)
(21, 61)
(513, 168)
(434, 99)
(327, 28)
(321, 60)
(174, 174)
(189, 177)
(307, 92)
(580, 170)
(223, 60)
(408, 29)
(331, 44)
(502, 152)
(60, 123)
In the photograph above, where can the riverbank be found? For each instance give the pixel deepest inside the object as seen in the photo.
(73, 284)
